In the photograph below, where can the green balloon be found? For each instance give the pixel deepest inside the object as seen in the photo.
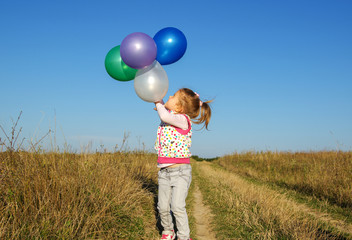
(116, 68)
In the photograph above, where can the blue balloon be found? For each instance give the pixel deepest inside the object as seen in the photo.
(171, 45)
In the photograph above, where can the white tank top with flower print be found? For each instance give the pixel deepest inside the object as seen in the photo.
(173, 142)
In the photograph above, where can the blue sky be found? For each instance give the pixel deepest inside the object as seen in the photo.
(279, 72)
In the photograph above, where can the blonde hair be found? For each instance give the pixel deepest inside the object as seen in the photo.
(191, 105)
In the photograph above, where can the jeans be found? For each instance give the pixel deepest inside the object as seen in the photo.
(173, 189)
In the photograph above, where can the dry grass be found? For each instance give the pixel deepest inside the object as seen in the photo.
(244, 210)
(77, 196)
(326, 175)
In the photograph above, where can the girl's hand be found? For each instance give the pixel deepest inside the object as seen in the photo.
(160, 101)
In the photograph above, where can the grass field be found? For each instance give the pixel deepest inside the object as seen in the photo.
(278, 195)
(326, 175)
(77, 196)
(266, 195)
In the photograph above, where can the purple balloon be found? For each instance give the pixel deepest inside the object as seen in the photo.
(138, 50)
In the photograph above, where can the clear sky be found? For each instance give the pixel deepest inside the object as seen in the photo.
(280, 72)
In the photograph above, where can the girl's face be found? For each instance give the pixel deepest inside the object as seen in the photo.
(174, 103)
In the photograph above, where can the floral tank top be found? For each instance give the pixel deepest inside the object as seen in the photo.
(173, 144)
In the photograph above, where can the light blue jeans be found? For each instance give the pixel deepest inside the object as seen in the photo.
(173, 189)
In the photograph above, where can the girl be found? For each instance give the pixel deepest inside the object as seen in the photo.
(173, 145)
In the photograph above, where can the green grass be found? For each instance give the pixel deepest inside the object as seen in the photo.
(190, 210)
(77, 196)
(327, 175)
(224, 217)
(250, 209)
(114, 195)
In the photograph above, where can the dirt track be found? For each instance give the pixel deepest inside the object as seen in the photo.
(203, 216)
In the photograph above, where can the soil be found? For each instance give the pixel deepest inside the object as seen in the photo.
(203, 216)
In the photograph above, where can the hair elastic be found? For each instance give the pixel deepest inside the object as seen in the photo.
(200, 102)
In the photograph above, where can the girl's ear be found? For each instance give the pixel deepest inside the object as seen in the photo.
(179, 109)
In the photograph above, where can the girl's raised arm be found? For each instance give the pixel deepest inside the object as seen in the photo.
(177, 120)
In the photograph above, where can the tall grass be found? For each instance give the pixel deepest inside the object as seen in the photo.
(244, 210)
(326, 174)
(77, 196)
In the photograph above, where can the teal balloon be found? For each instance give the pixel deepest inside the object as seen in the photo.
(116, 68)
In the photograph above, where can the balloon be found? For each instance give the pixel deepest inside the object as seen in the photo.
(171, 44)
(116, 68)
(151, 84)
(138, 50)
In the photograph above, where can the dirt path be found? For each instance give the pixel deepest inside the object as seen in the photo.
(202, 215)
(263, 193)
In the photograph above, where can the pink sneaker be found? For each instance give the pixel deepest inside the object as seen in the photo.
(168, 235)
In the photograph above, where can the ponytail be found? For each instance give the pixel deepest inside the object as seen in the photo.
(205, 114)
(198, 111)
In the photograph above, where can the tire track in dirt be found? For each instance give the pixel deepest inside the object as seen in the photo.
(203, 216)
(338, 224)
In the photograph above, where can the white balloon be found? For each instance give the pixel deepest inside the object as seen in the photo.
(151, 83)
